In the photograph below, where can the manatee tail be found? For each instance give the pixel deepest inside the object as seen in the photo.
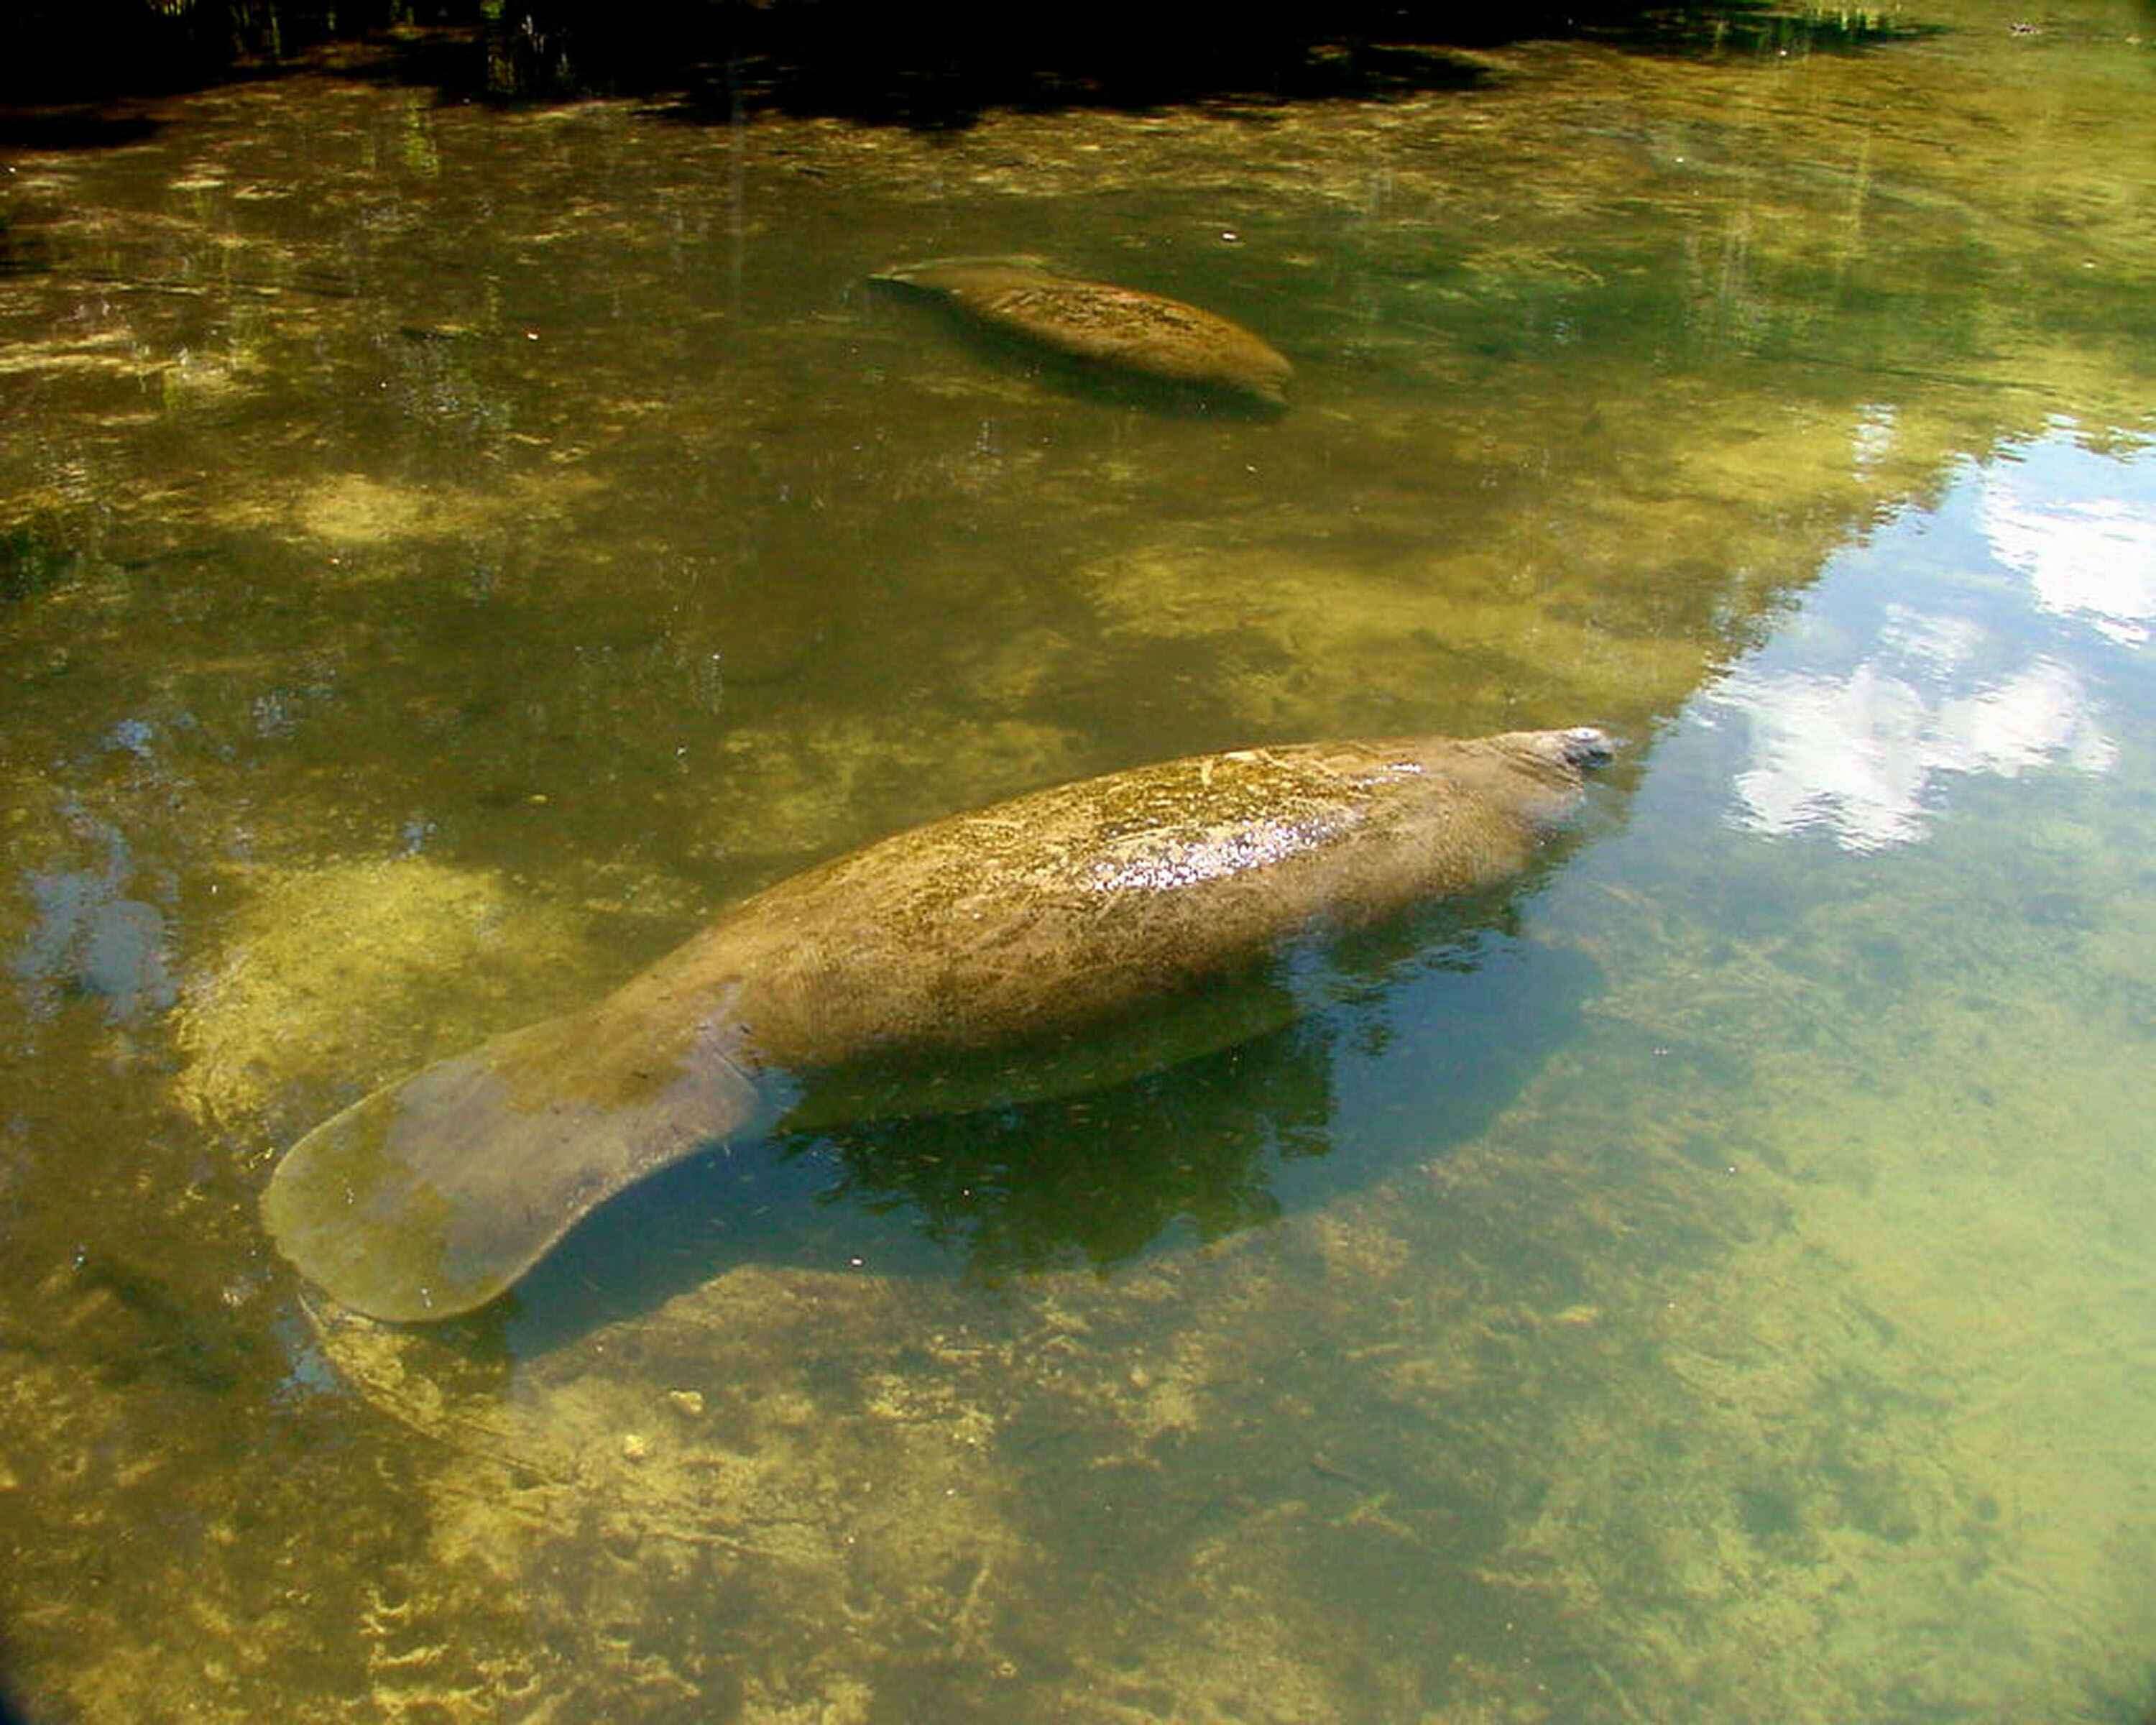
(431, 1196)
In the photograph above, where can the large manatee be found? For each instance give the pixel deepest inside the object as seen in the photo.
(1060, 941)
(1096, 321)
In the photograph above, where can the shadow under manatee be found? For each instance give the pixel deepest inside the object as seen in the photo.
(1407, 1043)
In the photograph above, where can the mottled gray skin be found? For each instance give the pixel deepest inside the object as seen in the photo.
(1062, 941)
(1095, 320)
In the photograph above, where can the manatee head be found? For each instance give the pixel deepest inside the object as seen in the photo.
(1539, 773)
(1585, 748)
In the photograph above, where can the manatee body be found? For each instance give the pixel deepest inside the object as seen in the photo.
(1119, 327)
(1064, 940)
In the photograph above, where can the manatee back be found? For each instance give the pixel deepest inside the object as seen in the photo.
(1041, 919)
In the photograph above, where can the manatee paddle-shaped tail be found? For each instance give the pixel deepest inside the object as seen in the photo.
(1124, 329)
(431, 1196)
(1065, 940)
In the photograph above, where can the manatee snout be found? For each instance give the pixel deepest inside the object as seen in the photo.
(1585, 746)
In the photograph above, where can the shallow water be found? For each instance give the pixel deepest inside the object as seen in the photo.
(444, 551)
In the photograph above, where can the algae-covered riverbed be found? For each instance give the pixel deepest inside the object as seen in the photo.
(446, 550)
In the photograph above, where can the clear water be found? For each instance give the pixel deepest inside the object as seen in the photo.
(448, 550)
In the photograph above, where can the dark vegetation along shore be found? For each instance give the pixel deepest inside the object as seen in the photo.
(859, 58)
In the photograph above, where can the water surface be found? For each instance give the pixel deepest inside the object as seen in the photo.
(444, 551)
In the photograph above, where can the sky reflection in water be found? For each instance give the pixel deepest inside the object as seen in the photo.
(1920, 654)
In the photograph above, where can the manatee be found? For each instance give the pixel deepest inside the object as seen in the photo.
(1118, 327)
(1067, 940)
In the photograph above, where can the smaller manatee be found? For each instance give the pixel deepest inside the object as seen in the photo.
(1123, 329)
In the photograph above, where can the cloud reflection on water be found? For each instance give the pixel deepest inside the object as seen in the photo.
(2087, 550)
(1985, 659)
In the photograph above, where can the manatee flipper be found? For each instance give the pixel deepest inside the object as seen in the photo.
(432, 1195)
